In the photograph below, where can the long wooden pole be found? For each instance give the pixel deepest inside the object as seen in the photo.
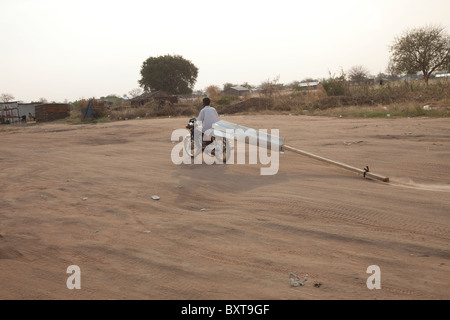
(364, 173)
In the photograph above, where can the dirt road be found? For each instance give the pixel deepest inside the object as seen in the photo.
(81, 195)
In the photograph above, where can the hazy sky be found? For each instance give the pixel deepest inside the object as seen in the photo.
(71, 49)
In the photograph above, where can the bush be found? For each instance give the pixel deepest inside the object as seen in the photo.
(225, 100)
(151, 110)
(249, 105)
(334, 87)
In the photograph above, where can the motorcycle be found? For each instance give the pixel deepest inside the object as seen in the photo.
(212, 147)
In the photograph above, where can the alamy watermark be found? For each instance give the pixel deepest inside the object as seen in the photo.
(74, 281)
(374, 281)
(261, 146)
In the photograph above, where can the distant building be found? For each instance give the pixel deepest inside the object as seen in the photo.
(38, 111)
(28, 108)
(8, 105)
(24, 108)
(308, 85)
(416, 76)
(52, 111)
(257, 90)
(443, 75)
(237, 91)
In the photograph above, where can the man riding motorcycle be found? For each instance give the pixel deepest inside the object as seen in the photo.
(207, 117)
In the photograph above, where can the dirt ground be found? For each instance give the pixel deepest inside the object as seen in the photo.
(81, 195)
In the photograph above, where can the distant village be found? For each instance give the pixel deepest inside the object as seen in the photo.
(16, 112)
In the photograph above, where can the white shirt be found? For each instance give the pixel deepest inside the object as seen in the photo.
(208, 116)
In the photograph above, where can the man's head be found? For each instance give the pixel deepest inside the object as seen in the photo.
(206, 102)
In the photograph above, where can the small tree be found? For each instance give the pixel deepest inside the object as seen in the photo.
(6, 97)
(173, 74)
(358, 74)
(228, 85)
(335, 85)
(135, 93)
(270, 87)
(213, 92)
(392, 73)
(294, 85)
(423, 50)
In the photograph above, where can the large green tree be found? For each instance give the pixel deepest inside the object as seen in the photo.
(423, 50)
(172, 74)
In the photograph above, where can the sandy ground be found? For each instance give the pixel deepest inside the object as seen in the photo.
(224, 231)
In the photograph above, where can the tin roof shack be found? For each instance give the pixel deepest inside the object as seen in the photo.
(12, 104)
(28, 108)
(311, 85)
(25, 109)
(237, 91)
(51, 112)
(159, 96)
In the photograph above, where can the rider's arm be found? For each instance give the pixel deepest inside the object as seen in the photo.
(201, 116)
(200, 119)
